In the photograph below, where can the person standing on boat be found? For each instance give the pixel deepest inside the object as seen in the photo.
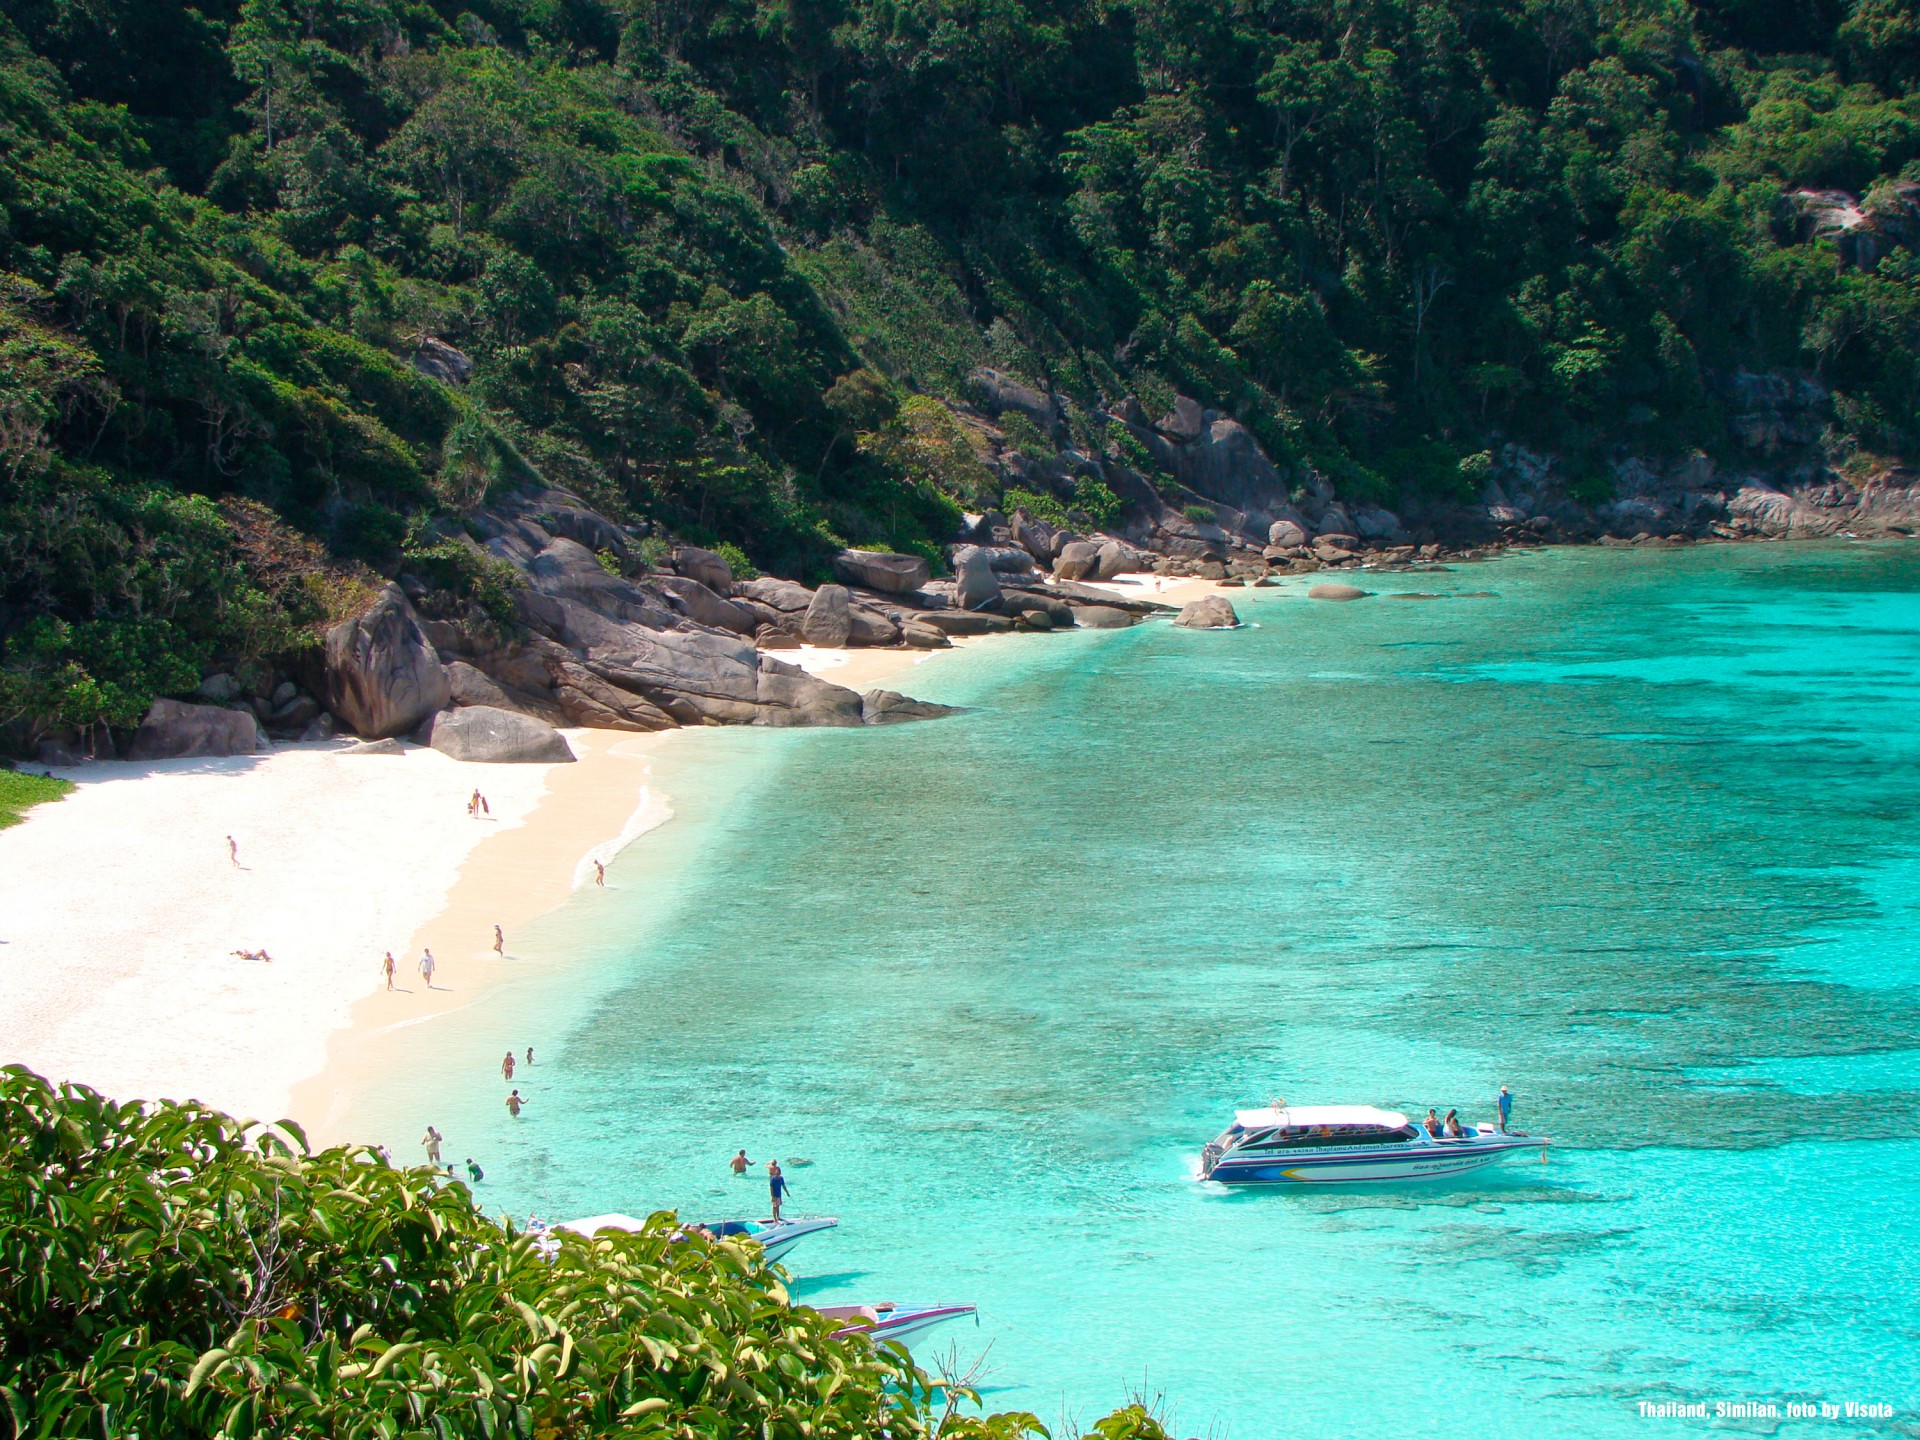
(776, 1187)
(1506, 1108)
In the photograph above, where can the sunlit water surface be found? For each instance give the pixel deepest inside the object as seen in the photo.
(1635, 836)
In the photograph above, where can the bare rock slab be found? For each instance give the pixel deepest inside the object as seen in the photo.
(496, 737)
(1337, 592)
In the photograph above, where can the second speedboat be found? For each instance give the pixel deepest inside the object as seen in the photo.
(1347, 1144)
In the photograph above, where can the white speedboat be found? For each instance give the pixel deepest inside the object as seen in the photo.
(1345, 1145)
(888, 1321)
(775, 1237)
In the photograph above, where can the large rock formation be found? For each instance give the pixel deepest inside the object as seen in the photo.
(876, 570)
(378, 673)
(976, 586)
(500, 737)
(1209, 612)
(175, 730)
(829, 620)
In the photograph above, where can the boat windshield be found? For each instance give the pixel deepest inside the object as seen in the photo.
(1308, 1137)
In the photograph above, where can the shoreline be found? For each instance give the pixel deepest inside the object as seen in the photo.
(119, 908)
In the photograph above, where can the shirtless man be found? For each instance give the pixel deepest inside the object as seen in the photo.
(739, 1163)
(514, 1102)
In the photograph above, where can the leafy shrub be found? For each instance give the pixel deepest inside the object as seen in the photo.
(1023, 435)
(1202, 515)
(737, 560)
(166, 1270)
(1093, 499)
(1046, 508)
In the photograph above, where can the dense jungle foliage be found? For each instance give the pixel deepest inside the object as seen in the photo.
(168, 1273)
(718, 264)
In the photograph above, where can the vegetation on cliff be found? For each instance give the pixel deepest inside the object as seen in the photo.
(166, 1271)
(725, 267)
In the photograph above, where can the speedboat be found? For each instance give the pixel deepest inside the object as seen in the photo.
(775, 1237)
(1347, 1144)
(888, 1321)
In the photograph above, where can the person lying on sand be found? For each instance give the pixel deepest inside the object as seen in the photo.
(260, 955)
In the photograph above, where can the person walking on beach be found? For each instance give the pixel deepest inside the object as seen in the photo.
(386, 967)
(432, 1141)
(506, 1066)
(739, 1163)
(776, 1187)
(514, 1102)
(599, 874)
(233, 852)
(427, 967)
(499, 943)
(1505, 1103)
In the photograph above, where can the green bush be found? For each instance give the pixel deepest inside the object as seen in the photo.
(1202, 514)
(166, 1271)
(737, 560)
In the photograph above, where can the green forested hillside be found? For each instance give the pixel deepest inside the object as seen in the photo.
(716, 265)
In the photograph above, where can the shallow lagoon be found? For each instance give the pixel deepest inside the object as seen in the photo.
(1634, 836)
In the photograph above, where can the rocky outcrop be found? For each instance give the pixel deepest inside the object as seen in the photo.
(1102, 617)
(883, 571)
(1209, 612)
(699, 603)
(976, 586)
(999, 393)
(176, 730)
(495, 737)
(1079, 560)
(829, 618)
(438, 360)
(1337, 592)
(375, 747)
(378, 674)
(705, 566)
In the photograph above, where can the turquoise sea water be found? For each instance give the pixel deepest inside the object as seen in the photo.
(1635, 836)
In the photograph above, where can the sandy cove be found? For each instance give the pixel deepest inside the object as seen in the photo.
(120, 911)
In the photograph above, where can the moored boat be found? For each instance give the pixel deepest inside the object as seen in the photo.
(1346, 1145)
(775, 1237)
(889, 1321)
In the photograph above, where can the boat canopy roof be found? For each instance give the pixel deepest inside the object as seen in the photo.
(1319, 1115)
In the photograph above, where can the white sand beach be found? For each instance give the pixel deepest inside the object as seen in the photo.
(120, 911)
